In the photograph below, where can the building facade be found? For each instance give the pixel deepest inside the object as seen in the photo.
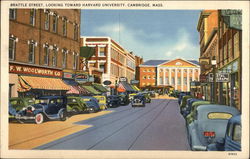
(176, 73)
(42, 43)
(111, 58)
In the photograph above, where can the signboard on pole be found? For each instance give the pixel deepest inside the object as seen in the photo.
(220, 77)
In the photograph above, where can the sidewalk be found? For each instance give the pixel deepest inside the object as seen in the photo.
(30, 135)
(164, 97)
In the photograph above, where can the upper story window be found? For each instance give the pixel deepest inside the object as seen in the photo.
(32, 17)
(75, 32)
(75, 56)
(32, 46)
(46, 22)
(64, 58)
(54, 23)
(12, 48)
(13, 14)
(64, 26)
(101, 51)
(46, 54)
(54, 56)
(102, 66)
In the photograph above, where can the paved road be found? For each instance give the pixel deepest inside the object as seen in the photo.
(158, 126)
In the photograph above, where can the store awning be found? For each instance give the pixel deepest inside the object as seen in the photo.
(27, 83)
(99, 87)
(77, 90)
(121, 88)
(127, 86)
(70, 82)
(135, 88)
(91, 89)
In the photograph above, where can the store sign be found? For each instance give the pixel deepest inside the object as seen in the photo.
(203, 78)
(67, 75)
(20, 69)
(194, 84)
(107, 82)
(233, 18)
(123, 79)
(134, 82)
(82, 78)
(220, 77)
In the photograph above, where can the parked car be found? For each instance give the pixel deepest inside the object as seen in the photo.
(184, 101)
(131, 96)
(190, 117)
(187, 109)
(209, 125)
(152, 94)
(147, 96)
(92, 105)
(113, 101)
(102, 102)
(124, 99)
(76, 105)
(138, 100)
(181, 95)
(18, 103)
(232, 139)
(46, 108)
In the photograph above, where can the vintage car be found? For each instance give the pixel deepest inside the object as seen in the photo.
(138, 100)
(113, 101)
(92, 105)
(232, 139)
(102, 101)
(124, 99)
(147, 96)
(209, 125)
(187, 109)
(76, 105)
(184, 101)
(152, 94)
(131, 96)
(19, 103)
(46, 108)
(181, 95)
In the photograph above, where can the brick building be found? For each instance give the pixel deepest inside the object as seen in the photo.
(110, 58)
(223, 44)
(176, 73)
(42, 43)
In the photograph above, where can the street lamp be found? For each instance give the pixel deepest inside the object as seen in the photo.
(213, 62)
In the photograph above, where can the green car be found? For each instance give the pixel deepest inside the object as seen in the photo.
(184, 101)
(195, 105)
(18, 103)
(76, 105)
(147, 96)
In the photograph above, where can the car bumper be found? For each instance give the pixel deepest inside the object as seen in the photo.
(25, 117)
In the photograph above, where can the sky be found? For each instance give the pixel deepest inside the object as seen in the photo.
(151, 34)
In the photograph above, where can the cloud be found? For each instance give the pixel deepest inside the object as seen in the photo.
(151, 45)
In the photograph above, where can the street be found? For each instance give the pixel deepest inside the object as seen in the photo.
(158, 126)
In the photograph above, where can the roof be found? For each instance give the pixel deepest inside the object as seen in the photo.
(158, 62)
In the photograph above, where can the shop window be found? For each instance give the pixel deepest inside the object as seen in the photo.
(12, 48)
(64, 27)
(31, 52)
(54, 56)
(64, 59)
(32, 17)
(101, 51)
(46, 22)
(75, 32)
(46, 55)
(75, 56)
(12, 14)
(54, 23)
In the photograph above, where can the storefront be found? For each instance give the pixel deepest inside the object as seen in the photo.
(34, 81)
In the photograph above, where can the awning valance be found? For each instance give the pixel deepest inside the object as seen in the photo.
(27, 83)
(99, 87)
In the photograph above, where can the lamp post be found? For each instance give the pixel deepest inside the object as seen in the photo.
(213, 62)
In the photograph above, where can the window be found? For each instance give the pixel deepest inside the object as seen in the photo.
(185, 80)
(149, 70)
(101, 51)
(173, 81)
(179, 70)
(167, 80)
(179, 81)
(54, 23)
(102, 67)
(32, 17)
(46, 55)
(149, 77)
(144, 70)
(230, 47)
(31, 52)
(236, 45)
(13, 14)
(190, 79)
(54, 56)
(12, 48)
(75, 32)
(75, 56)
(161, 80)
(144, 77)
(64, 61)
(64, 27)
(46, 23)
(154, 77)
(237, 133)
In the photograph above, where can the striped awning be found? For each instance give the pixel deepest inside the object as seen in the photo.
(100, 87)
(135, 88)
(91, 89)
(77, 90)
(121, 88)
(27, 83)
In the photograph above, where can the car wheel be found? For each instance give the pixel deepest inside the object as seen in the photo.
(62, 115)
(39, 118)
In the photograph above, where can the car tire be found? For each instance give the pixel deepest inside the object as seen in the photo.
(75, 111)
(63, 115)
(39, 118)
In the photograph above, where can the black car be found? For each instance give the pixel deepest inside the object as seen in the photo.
(113, 101)
(138, 100)
(124, 99)
(46, 108)
(92, 105)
